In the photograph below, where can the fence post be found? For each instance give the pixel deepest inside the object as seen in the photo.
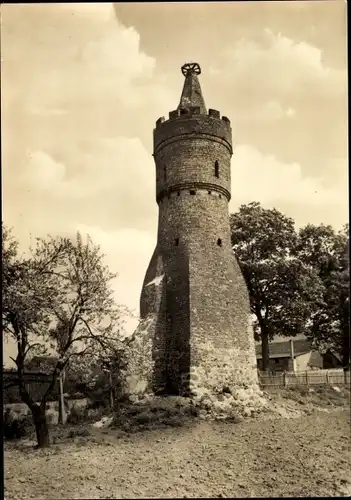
(327, 378)
(62, 409)
(306, 377)
(284, 379)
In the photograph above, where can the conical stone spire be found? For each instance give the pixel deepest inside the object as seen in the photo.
(192, 95)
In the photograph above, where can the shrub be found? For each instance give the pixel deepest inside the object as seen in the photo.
(98, 400)
(144, 418)
(77, 415)
(16, 428)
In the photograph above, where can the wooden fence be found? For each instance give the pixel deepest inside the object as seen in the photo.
(35, 383)
(312, 377)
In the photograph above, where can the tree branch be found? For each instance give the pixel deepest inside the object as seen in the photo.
(31, 346)
(95, 337)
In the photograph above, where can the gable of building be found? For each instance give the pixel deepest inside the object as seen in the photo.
(282, 349)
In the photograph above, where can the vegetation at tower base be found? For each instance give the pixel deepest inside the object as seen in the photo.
(327, 252)
(298, 281)
(58, 297)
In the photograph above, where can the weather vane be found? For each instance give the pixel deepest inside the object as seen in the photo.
(189, 68)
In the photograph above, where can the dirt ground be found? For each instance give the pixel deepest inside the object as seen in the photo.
(307, 454)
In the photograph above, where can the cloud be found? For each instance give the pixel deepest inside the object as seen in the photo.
(95, 11)
(128, 252)
(274, 183)
(121, 165)
(290, 112)
(80, 98)
(269, 112)
(67, 55)
(44, 173)
(275, 65)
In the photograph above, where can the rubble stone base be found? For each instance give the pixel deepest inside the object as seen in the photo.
(223, 391)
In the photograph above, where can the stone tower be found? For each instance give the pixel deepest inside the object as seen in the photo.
(194, 297)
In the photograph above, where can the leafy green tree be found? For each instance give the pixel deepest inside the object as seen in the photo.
(284, 291)
(59, 298)
(327, 252)
(100, 376)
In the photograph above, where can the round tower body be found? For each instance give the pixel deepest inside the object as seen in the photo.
(203, 335)
(192, 156)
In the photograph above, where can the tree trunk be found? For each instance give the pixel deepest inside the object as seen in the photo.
(41, 426)
(265, 349)
(62, 409)
(112, 403)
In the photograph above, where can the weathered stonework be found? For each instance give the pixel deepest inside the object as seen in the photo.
(139, 374)
(200, 339)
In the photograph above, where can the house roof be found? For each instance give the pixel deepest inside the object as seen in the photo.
(335, 354)
(282, 349)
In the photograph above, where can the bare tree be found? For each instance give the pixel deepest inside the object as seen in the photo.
(59, 298)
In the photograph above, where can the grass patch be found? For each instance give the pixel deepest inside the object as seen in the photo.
(317, 395)
(154, 414)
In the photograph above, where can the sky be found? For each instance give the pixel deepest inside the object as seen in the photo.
(83, 84)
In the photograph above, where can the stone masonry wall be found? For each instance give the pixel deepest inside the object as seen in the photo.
(220, 312)
(219, 302)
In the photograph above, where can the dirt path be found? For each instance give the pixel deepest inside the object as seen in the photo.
(305, 456)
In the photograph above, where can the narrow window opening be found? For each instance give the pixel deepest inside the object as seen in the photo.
(192, 192)
(219, 196)
(164, 173)
(209, 192)
(178, 194)
(216, 169)
(219, 242)
(176, 241)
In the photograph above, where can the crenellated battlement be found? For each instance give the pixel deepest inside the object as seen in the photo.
(188, 126)
(190, 111)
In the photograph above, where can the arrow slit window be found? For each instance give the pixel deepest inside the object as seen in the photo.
(216, 169)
